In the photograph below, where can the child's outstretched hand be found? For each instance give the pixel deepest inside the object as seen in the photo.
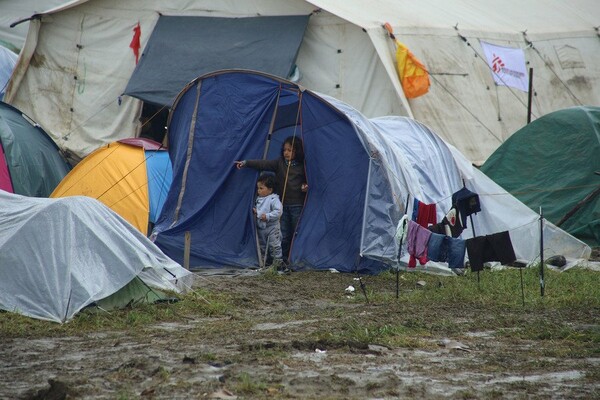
(240, 164)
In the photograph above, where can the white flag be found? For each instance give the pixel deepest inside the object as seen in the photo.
(507, 65)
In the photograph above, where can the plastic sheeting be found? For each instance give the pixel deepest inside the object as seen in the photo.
(59, 255)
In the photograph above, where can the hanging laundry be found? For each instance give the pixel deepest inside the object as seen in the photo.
(424, 215)
(450, 225)
(417, 238)
(402, 230)
(466, 203)
(446, 249)
(495, 247)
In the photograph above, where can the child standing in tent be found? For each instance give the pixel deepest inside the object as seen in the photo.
(290, 184)
(268, 209)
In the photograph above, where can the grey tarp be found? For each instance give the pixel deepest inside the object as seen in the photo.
(183, 48)
(59, 255)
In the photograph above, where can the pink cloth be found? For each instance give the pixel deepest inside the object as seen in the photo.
(426, 215)
(416, 244)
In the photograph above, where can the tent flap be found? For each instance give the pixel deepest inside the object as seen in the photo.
(182, 48)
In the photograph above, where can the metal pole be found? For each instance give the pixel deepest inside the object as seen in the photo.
(529, 95)
(542, 252)
(473, 230)
(400, 252)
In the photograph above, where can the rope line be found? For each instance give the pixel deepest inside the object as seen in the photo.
(465, 107)
(530, 44)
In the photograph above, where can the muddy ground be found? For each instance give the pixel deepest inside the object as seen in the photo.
(300, 336)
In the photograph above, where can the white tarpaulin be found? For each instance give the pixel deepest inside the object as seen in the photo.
(507, 65)
(59, 255)
(77, 62)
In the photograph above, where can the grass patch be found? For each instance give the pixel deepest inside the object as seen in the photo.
(244, 384)
(193, 305)
(576, 289)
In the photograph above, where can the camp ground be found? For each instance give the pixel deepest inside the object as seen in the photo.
(87, 67)
(362, 173)
(553, 164)
(131, 176)
(30, 162)
(91, 257)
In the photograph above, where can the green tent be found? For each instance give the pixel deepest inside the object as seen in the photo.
(554, 163)
(30, 162)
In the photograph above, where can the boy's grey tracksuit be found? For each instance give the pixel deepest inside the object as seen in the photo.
(269, 231)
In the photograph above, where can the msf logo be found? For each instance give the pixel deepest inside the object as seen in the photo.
(497, 64)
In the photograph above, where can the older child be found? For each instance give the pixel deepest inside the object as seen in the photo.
(268, 210)
(290, 185)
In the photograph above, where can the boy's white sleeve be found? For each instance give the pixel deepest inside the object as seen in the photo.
(276, 210)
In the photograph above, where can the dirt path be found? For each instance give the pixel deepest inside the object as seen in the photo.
(302, 336)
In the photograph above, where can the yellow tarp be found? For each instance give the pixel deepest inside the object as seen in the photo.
(116, 175)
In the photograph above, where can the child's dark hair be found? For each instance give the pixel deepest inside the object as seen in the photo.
(296, 144)
(267, 180)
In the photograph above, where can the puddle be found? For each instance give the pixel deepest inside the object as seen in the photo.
(272, 326)
(549, 377)
(482, 334)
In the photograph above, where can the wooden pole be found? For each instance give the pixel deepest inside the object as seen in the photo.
(186, 250)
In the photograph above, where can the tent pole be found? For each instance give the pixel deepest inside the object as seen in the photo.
(186, 250)
(529, 95)
(272, 125)
(542, 252)
(400, 251)
(473, 230)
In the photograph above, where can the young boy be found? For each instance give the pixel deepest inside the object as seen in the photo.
(268, 211)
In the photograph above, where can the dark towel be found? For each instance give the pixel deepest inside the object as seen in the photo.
(495, 247)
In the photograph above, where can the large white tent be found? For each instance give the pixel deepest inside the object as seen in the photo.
(12, 11)
(77, 62)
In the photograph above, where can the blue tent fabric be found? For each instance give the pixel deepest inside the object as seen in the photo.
(232, 123)
(160, 175)
(181, 48)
